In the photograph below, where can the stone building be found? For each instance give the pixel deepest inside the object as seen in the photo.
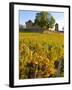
(30, 27)
(29, 24)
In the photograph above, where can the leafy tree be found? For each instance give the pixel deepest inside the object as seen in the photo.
(51, 22)
(45, 20)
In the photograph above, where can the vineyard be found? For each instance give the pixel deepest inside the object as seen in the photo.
(41, 55)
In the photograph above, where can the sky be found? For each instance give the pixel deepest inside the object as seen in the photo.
(24, 16)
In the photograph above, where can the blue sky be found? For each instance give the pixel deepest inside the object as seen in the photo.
(24, 16)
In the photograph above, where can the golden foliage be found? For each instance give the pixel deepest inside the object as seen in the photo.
(38, 54)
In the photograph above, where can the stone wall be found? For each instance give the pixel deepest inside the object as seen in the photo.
(36, 30)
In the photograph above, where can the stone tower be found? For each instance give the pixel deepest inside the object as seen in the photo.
(56, 27)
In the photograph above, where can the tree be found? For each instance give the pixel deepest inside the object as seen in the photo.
(45, 20)
(51, 22)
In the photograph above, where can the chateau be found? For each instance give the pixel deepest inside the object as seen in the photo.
(31, 27)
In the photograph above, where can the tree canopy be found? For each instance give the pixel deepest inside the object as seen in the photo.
(45, 20)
